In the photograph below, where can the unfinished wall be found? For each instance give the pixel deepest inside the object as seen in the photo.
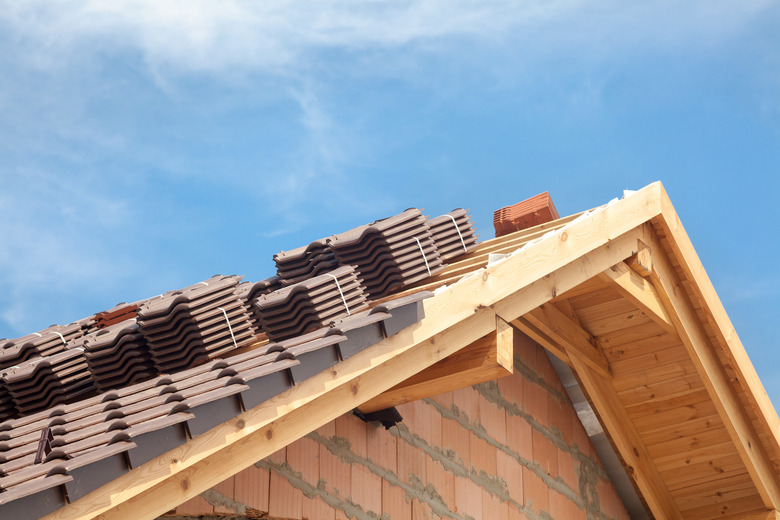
(508, 449)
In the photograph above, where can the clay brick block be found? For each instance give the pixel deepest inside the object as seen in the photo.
(442, 480)
(444, 399)
(545, 453)
(483, 455)
(467, 401)
(562, 507)
(366, 489)
(315, 508)
(421, 511)
(609, 502)
(196, 506)
(525, 349)
(562, 417)
(278, 457)
(226, 488)
(567, 470)
(493, 419)
(456, 438)
(303, 456)
(546, 371)
(327, 430)
(515, 513)
(381, 448)
(252, 487)
(284, 500)
(511, 388)
(394, 501)
(411, 460)
(336, 474)
(535, 492)
(519, 437)
(493, 507)
(535, 402)
(354, 430)
(468, 497)
(512, 472)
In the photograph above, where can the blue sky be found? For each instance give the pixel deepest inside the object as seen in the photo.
(148, 145)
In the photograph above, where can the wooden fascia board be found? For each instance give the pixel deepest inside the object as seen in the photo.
(509, 288)
(640, 292)
(701, 284)
(714, 376)
(486, 359)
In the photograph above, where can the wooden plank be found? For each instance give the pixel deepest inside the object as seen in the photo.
(563, 331)
(616, 422)
(716, 380)
(541, 338)
(640, 292)
(488, 358)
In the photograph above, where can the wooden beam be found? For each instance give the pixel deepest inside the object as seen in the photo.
(563, 331)
(642, 261)
(764, 515)
(714, 376)
(618, 424)
(530, 330)
(640, 292)
(486, 359)
(510, 288)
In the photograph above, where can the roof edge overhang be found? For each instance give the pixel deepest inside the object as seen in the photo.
(458, 315)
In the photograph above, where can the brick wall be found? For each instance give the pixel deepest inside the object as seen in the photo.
(507, 449)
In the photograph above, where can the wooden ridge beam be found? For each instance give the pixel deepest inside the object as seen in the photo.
(716, 381)
(640, 292)
(486, 359)
(563, 331)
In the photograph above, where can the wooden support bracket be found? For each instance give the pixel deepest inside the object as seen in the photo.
(486, 359)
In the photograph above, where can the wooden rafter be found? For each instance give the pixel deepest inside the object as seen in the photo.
(712, 372)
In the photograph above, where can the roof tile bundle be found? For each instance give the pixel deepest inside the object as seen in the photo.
(200, 322)
(43, 343)
(453, 233)
(389, 254)
(117, 314)
(249, 291)
(82, 445)
(297, 309)
(118, 355)
(530, 212)
(42, 382)
(305, 262)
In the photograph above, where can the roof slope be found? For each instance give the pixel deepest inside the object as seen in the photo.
(618, 294)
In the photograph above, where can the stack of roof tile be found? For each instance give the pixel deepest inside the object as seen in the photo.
(530, 212)
(59, 455)
(42, 382)
(200, 322)
(43, 343)
(117, 314)
(389, 254)
(305, 262)
(117, 355)
(249, 291)
(308, 305)
(453, 233)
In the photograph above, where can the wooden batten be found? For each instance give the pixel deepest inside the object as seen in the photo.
(486, 359)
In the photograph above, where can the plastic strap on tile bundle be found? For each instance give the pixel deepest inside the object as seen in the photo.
(454, 234)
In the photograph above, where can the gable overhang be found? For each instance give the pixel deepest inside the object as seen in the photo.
(635, 247)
